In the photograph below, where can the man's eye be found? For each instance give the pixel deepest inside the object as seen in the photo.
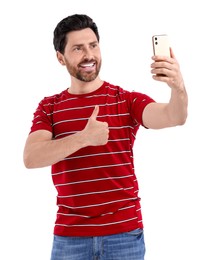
(77, 49)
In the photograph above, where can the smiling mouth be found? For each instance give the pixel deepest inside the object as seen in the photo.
(87, 66)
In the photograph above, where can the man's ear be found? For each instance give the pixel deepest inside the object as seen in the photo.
(60, 57)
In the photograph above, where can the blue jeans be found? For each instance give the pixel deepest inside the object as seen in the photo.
(123, 246)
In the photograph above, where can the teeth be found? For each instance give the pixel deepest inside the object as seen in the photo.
(88, 65)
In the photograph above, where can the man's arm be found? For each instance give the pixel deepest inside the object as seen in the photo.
(40, 150)
(161, 115)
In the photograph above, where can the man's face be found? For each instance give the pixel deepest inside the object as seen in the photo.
(82, 55)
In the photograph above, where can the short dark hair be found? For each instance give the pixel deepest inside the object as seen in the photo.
(72, 23)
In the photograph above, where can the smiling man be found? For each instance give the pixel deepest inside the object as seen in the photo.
(81, 55)
(86, 133)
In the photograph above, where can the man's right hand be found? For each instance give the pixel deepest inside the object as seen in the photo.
(96, 132)
(42, 150)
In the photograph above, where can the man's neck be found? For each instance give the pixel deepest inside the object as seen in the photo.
(80, 87)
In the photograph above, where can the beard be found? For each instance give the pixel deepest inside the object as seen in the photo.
(85, 76)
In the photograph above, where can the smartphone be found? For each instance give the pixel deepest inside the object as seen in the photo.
(161, 45)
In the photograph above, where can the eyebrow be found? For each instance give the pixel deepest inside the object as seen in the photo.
(81, 44)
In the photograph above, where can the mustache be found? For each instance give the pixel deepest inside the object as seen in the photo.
(88, 61)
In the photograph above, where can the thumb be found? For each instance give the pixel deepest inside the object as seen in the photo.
(172, 54)
(95, 112)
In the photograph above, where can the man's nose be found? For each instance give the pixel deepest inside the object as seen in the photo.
(88, 54)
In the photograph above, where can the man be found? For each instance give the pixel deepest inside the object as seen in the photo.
(87, 134)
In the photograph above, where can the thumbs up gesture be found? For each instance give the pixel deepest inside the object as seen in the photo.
(96, 132)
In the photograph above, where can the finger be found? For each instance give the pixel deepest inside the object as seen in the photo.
(95, 112)
(161, 64)
(165, 71)
(172, 55)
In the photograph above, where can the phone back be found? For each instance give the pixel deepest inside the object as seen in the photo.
(161, 45)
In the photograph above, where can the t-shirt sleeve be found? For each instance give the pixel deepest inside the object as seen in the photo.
(42, 119)
(138, 101)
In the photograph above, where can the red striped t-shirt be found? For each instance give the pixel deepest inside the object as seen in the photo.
(97, 189)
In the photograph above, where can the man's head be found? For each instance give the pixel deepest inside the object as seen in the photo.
(71, 23)
(76, 41)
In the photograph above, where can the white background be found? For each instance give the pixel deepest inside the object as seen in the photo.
(171, 164)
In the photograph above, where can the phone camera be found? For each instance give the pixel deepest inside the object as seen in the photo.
(156, 41)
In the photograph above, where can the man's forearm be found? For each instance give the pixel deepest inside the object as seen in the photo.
(178, 104)
(45, 153)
